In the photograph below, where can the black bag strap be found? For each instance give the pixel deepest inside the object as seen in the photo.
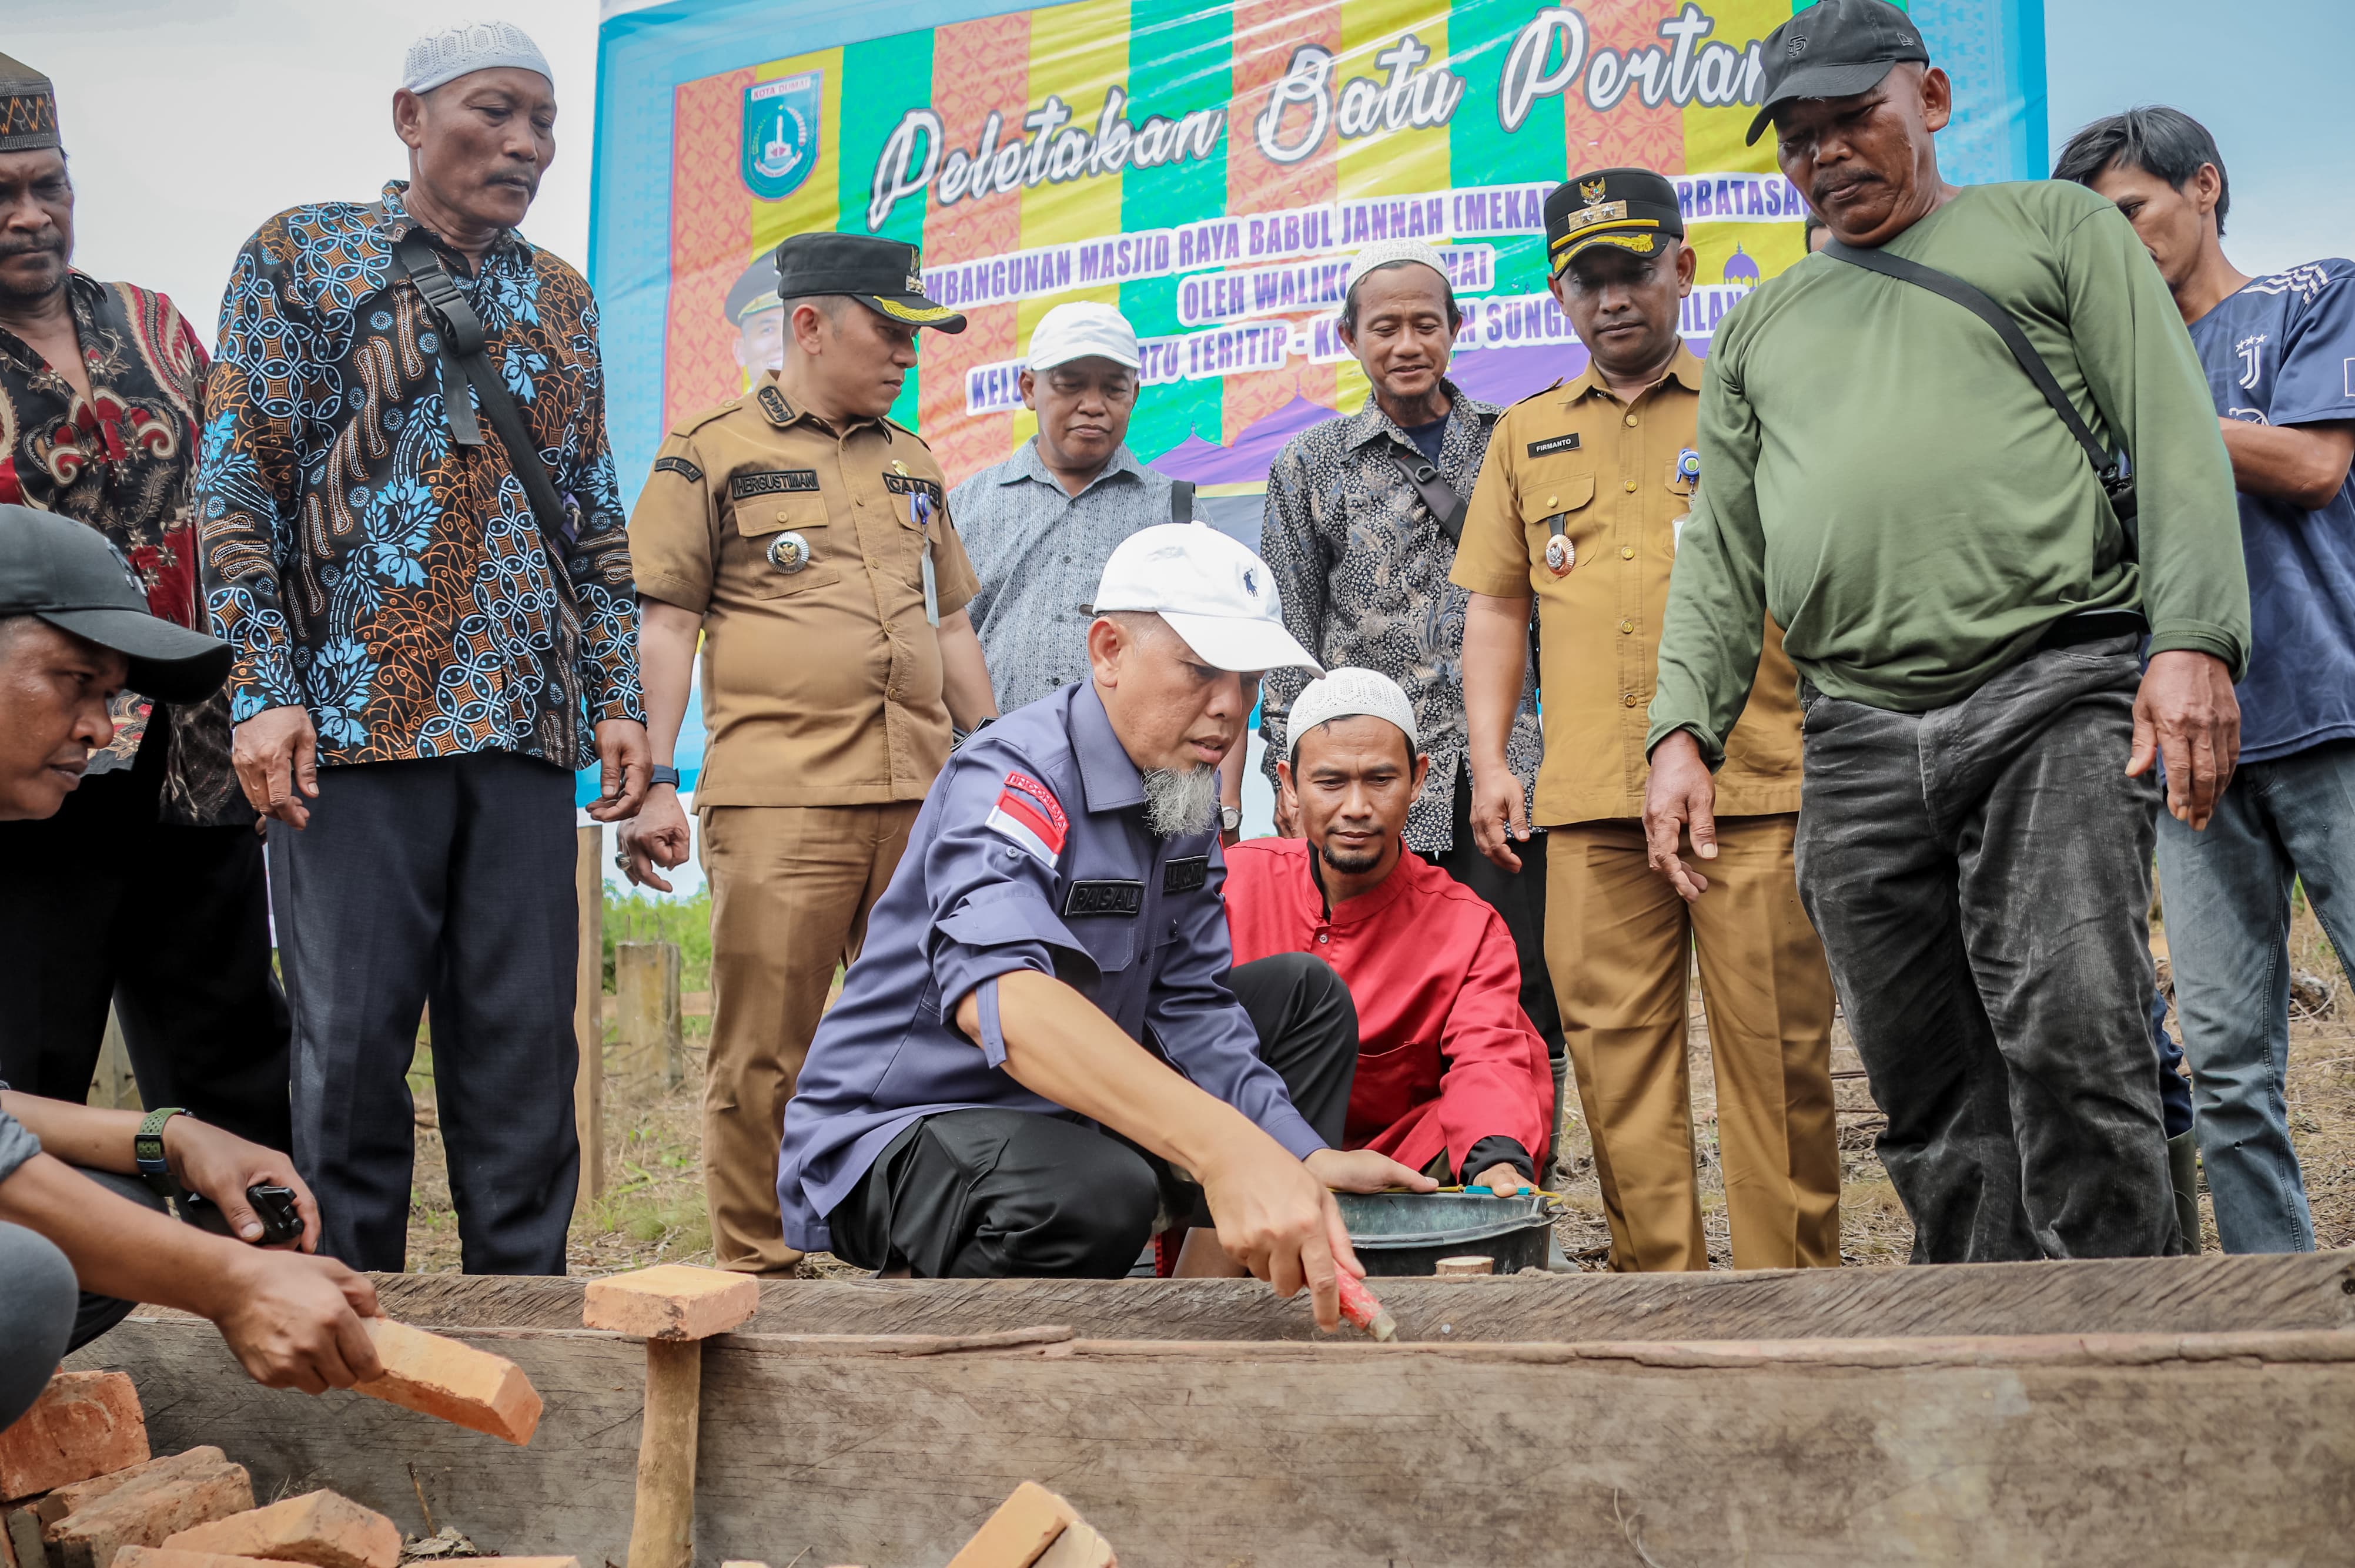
(464, 355)
(1182, 501)
(2111, 469)
(1446, 507)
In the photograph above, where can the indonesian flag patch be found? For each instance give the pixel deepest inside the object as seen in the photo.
(1028, 812)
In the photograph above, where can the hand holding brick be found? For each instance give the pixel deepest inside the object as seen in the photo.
(458, 1384)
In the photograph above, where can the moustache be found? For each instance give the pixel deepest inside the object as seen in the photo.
(37, 248)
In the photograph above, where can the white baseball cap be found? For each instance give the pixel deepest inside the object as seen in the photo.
(1345, 693)
(1080, 330)
(1212, 591)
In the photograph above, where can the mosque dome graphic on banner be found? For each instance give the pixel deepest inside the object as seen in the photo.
(1743, 268)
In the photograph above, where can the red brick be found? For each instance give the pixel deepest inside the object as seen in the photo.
(85, 1423)
(65, 1500)
(458, 1384)
(165, 1557)
(1025, 1525)
(671, 1301)
(144, 1512)
(320, 1528)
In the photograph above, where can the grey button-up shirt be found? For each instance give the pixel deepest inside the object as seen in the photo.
(17, 1143)
(1039, 552)
(1361, 567)
(1031, 852)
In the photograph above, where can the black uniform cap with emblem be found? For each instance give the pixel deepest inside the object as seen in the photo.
(1834, 48)
(28, 107)
(1633, 210)
(753, 293)
(885, 275)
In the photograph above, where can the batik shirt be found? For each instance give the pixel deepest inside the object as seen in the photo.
(365, 566)
(1361, 567)
(125, 462)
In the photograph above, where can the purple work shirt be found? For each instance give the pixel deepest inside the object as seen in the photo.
(1031, 852)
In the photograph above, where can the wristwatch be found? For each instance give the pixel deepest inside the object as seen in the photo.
(1231, 818)
(662, 775)
(147, 1151)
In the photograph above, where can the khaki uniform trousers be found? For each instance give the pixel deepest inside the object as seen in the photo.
(791, 890)
(1617, 936)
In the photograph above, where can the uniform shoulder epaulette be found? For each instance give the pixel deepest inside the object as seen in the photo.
(908, 429)
(703, 417)
(1533, 396)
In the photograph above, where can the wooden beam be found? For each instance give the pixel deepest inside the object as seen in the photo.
(588, 1014)
(645, 998)
(2073, 1449)
(2215, 1294)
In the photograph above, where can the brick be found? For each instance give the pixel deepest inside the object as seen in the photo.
(1025, 1525)
(456, 1383)
(65, 1500)
(671, 1301)
(165, 1557)
(1079, 1547)
(320, 1528)
(537, 1562)
(144, 1512)
(85, 1423)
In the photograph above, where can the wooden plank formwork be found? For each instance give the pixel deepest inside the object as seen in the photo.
(1912, 1445)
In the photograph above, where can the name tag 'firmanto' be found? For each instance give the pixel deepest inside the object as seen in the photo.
(1553, 444)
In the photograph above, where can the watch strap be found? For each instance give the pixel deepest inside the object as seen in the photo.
(147, 1152)
(662, 775)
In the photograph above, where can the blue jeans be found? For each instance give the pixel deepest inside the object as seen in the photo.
(2226, 891)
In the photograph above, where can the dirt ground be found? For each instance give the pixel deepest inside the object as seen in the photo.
(652, 1210)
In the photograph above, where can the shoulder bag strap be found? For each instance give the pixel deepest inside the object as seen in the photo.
(463, 346)
(1947, 286)
(1446, 507)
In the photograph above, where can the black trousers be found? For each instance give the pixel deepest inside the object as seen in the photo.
(1520, 897)
(102, 903)
(448, 879)
(997, 1195)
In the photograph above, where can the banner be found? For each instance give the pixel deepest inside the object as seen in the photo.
(1206, 167)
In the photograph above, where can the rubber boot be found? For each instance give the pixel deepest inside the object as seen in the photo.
(1560, 1066)
(2183, 1170)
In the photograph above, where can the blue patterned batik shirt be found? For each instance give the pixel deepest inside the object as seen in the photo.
(361, 563)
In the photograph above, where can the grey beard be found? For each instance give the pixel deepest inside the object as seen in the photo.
(1181, 801)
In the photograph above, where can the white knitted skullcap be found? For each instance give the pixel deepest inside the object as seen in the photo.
(468, 47)
(1382, 252)
(1345, 693)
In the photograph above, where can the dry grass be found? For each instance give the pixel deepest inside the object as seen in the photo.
(653, 1208)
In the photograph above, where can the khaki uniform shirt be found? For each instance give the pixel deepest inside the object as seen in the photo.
(1612, 468)
(821, 686)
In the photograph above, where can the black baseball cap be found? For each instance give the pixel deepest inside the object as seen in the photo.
(1633, 210)
(1834, 48)
(885, 275)
(66, 572)
(752, 293)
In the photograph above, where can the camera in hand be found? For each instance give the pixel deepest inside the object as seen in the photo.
(273, 1206)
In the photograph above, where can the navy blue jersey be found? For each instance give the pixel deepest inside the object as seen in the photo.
(2282, 352)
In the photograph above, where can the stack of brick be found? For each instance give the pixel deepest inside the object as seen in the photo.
(77, 1483)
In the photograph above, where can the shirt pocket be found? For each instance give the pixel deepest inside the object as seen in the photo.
(764, 521)
(1552, 487)
(900, 491)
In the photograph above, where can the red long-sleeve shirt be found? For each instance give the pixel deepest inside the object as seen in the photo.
(1445, 1056)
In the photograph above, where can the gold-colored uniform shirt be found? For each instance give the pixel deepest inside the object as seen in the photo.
(1611, 469)
(821, 686)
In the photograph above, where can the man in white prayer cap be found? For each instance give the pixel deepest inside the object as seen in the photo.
(414, 543)
(1363, 512)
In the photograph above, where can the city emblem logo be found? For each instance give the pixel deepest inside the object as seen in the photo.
(781, 134)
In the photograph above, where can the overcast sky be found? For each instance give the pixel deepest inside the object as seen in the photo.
(191, 120)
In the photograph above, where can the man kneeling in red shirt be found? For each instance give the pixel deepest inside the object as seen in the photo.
(1452, 1080)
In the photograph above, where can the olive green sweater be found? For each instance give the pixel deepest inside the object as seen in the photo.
(1880, 476)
